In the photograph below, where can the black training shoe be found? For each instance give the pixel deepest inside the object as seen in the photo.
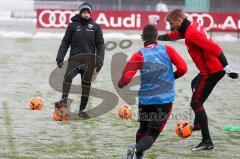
(83, 115)
(204, 145)
(131, 153)
(140, 157)
(61, 103)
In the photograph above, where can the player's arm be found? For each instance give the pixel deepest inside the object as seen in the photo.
(172, 36)
(178, 62)
(66, 41)
(229, 71)
(99, 42)
(132, 66)
(164, 37)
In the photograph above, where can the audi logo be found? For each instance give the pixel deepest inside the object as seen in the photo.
(55, 18)
(61, 18)
(204, 19)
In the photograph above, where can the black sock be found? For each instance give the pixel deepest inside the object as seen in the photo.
(202, 120)
(147, 141)
(143, 144)
(83, 104)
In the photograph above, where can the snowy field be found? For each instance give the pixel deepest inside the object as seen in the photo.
(28, 57)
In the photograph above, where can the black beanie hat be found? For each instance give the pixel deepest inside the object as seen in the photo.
(85, 6)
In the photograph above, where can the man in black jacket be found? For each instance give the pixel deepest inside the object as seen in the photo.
(86, 54)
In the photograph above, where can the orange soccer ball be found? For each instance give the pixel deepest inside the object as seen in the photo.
(183, 129)
(36, 104)
(125, 112)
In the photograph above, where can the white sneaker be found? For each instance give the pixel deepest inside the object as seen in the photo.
(130, 152)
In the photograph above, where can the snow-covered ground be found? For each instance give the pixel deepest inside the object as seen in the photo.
(27, 57)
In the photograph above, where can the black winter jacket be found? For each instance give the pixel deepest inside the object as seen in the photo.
(84, 36)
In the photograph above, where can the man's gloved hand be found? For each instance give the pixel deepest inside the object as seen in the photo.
(230, 72)
(60, 63)
(98, 67)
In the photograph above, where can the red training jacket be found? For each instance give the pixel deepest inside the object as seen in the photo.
(201, 48)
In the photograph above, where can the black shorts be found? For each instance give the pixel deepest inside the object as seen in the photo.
(202, 86)
(154, 116)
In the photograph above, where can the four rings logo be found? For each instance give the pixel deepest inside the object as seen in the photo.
(55, 18)
(204, 19)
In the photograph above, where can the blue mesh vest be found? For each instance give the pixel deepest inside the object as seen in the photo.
(157, 77)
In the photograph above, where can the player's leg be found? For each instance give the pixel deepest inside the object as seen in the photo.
(200, 121)
(86, 76)
(71, 72)
(157, 117)
(143, 125)
(140, 134)
(201, 93)
(195, 86)
(61, 107)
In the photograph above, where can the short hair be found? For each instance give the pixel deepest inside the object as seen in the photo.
(175, 14)
(149, 32)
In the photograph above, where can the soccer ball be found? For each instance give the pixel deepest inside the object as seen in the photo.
(36, 104)
(183, 129)
(125, 112)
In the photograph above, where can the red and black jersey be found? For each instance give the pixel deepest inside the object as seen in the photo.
(201, 48)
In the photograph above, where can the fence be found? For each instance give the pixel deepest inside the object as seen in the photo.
(229, 6)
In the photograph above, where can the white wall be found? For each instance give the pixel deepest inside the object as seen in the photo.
(16, 5)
